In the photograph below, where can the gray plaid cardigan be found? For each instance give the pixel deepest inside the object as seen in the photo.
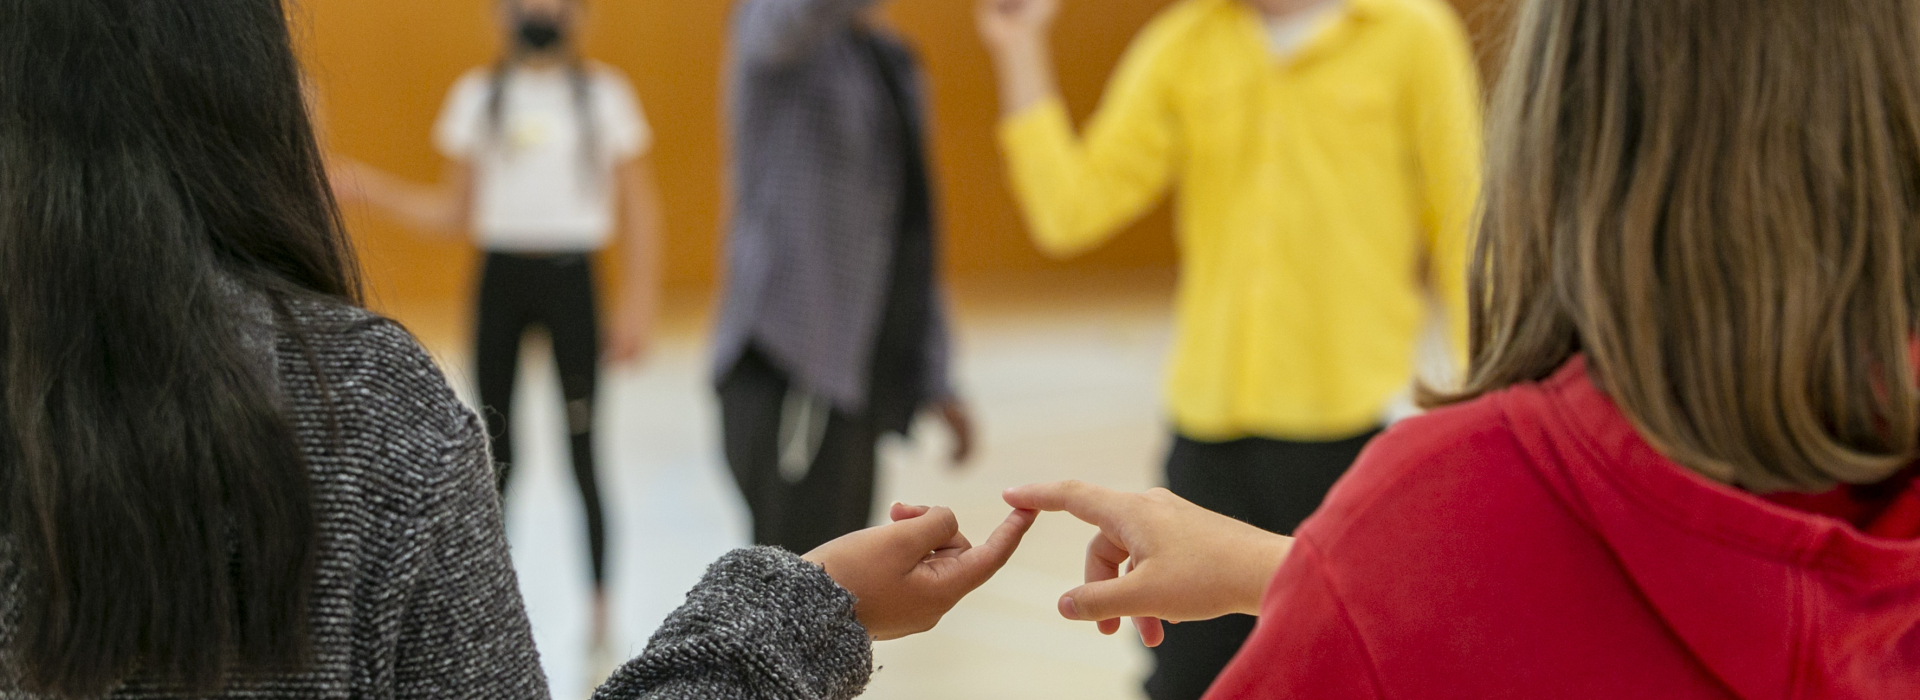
(818, 189)
(415, 596)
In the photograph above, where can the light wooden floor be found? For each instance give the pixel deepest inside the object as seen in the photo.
(1064, 378)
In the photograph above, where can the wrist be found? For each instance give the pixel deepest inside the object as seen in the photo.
(637, 300)
(1268, 554)
(1022, 52)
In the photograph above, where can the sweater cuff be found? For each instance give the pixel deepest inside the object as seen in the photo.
(761, 618)
(1037, 128)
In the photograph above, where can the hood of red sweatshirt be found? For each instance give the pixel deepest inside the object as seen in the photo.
(1778, 597)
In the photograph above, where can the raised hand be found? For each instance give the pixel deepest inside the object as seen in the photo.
(1185, 562)
(907, 575)
(631, 337)
(1006, 24)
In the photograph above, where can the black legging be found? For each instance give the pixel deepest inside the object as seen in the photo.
(556, 292)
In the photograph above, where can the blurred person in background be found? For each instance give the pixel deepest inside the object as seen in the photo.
(220, 477)
(1326, 155)
(546, 165)
(833, 331)
(1683, 465)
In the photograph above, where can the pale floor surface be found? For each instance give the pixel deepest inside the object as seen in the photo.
(1067, 391)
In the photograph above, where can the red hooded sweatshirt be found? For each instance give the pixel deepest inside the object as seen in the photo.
(1530, 544)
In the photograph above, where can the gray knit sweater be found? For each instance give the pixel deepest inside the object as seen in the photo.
(416, 597)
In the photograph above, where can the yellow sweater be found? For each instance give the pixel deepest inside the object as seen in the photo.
(1320, 197)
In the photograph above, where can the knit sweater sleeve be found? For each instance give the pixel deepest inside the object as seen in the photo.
(763, 624)
(464, 626)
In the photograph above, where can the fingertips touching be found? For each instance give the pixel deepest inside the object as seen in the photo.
(1013, 529)
(1046, 497)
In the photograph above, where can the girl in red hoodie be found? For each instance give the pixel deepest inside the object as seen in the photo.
(1680, 466)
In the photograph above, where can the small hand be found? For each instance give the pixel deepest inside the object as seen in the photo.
(1184, 562)
(907, 575)
(1006, 24)
(631, 338)
(959, 420)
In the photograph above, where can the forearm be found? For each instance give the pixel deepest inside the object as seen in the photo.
(644, 225)
(762, 625)
(644, 239)
(1258, 567)
(438, 208)
(1026, 74)
(432, 209)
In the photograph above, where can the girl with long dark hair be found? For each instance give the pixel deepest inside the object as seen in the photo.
(547, 155)
(219, 477)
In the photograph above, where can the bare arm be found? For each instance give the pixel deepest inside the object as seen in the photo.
(637, 311)
(443, 209)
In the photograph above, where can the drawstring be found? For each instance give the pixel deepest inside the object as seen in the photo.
(803, 428)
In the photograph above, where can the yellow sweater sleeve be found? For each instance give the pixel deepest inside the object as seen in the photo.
(1079, 192)
(1445, 126)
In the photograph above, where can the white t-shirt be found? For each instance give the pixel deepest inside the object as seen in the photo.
(1288, 34)
(534, 188)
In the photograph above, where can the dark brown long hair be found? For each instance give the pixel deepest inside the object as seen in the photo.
(1715, 201)
(155, 508)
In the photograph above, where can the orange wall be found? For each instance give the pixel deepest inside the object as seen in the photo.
(383, 66)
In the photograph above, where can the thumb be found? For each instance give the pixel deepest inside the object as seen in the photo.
(1126, 596)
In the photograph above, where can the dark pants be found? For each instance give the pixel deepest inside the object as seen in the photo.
(554, 292)
(835, 497)
(1270, 484)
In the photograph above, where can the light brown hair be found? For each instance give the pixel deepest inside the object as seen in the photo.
(1715, 201)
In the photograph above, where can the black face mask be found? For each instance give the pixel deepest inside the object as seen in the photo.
(540, 33)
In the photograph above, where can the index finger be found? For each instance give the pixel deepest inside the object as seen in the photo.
(1097, 505)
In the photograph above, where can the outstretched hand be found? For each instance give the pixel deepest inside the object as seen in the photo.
(907, 575)
(1184, 562)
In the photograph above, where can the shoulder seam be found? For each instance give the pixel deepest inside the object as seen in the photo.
(1346, 619)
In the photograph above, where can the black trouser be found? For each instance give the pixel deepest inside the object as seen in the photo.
(1270, 484)
(835, 497)
(555, 292)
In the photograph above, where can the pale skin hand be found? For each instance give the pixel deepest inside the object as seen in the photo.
(959, 420)
(907, 575)
(442, 210)
(1185, 563)
(1015, 32)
